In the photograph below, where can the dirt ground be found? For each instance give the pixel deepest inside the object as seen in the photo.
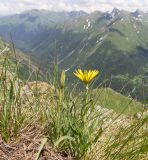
(27, 146)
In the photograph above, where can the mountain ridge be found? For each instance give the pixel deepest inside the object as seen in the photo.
(115, 42)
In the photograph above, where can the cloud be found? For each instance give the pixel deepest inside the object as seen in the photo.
(17, 6)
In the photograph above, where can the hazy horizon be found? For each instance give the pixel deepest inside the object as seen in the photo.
(109, 11)
(9, 7)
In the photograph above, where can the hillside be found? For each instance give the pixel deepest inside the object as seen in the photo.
(16, 61)
(40, 120)
(24, 27)
(115, 42)
(107, 98)
(55, 120)
(110, 99)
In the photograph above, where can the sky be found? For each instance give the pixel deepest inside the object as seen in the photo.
(17, 6)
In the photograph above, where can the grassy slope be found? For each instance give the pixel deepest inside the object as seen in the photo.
(117, 54)
(24, 27)
(110, 99)
(106, 97)
(25, 65)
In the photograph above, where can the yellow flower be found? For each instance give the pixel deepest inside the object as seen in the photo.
(86, 76)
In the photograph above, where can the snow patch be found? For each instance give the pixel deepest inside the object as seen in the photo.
(135, 26)
(88, 24)
(138, 19)
(140, 15)
(97, 41)
(101, 39)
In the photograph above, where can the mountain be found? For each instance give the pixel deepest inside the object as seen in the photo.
(16, 61)
(25, 26)
(115, 42)
(76, 14)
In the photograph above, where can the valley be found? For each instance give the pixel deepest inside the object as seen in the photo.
(74, 85)
(114, 42)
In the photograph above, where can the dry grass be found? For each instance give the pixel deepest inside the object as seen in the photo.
(31, 111)
(27, 146)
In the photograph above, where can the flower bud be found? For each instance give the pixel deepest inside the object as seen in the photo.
(62, 80)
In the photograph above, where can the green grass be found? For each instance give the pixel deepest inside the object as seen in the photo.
(75, 47)
(71, 120)
(111, 99)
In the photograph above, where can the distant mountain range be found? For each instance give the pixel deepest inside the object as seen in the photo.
(115, 42)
